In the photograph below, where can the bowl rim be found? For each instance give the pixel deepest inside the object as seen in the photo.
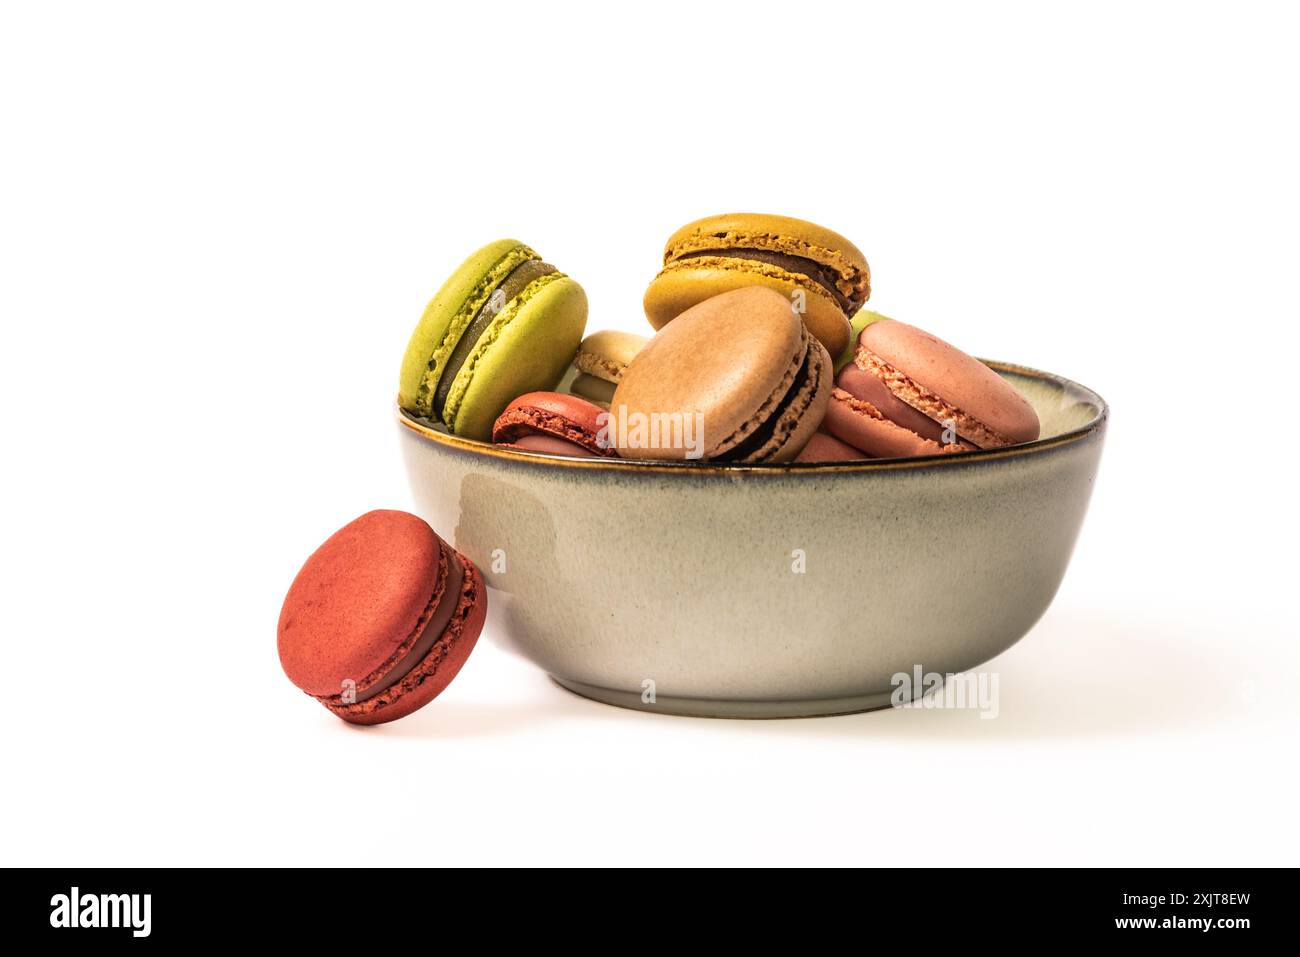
(699, 467)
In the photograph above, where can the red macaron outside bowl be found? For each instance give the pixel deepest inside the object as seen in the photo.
(380, 618)
(766, 590)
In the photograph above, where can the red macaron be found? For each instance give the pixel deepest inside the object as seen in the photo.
(380, 618)
(555, 423)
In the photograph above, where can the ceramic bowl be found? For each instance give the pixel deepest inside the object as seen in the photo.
(766, 590)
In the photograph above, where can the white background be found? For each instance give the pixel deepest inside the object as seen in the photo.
(219, 226)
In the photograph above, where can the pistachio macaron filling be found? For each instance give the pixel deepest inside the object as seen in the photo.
(515, 282)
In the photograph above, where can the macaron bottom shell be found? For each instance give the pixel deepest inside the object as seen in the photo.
(862, 426)
(549, 445)
(823, 447)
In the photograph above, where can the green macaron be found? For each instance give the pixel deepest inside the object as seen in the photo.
(505, 323)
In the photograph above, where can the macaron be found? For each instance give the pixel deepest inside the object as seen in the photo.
(910, 393)
(864, 318)
(601, 361)
(503, 324)
(736, 378)
(823, 275)
(554, 423)
(826, 448)
(380, 618)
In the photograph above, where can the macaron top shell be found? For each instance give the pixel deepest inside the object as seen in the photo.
(554, 414)
(920, 367)
(733, 359)
(606, 354)
(864, 318)
(359, 601)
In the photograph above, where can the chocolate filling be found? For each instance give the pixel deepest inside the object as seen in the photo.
(824, 276)
(433, 630)
(763, 434)
(514, 283)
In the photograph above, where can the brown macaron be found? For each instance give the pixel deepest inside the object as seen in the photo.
(736, 378)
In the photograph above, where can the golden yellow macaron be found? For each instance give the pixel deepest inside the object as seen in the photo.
(825, 277)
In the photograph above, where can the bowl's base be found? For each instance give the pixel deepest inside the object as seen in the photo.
(728, 708)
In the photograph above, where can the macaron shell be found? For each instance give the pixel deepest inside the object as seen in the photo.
(798, 424)
(592, 389)
(556, 414)
(356, 603)
(448, 314)
(826, 448)
(683, 285)
(606, 354)
(549, 445)
(527, 348)
(954, 377)
(723, 358)
(443, 662)
(878, 437)
(860, 321)
(862, 385)
(784, 234)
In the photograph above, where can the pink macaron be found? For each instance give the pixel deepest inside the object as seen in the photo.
(909, 393)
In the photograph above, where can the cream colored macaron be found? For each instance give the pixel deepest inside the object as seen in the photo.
(602, 359)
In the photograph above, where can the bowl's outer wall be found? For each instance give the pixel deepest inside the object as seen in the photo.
(762, 587)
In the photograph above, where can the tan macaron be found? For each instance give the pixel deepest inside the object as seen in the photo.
(736, 378)
(821, 272)
(602, 359)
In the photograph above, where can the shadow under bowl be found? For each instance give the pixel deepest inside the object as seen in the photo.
(731, 590)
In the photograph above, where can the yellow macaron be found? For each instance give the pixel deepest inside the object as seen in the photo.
(825, 277)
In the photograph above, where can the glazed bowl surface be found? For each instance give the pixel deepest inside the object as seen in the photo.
(766, 590)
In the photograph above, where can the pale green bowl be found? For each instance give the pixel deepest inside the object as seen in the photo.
(682, 583)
